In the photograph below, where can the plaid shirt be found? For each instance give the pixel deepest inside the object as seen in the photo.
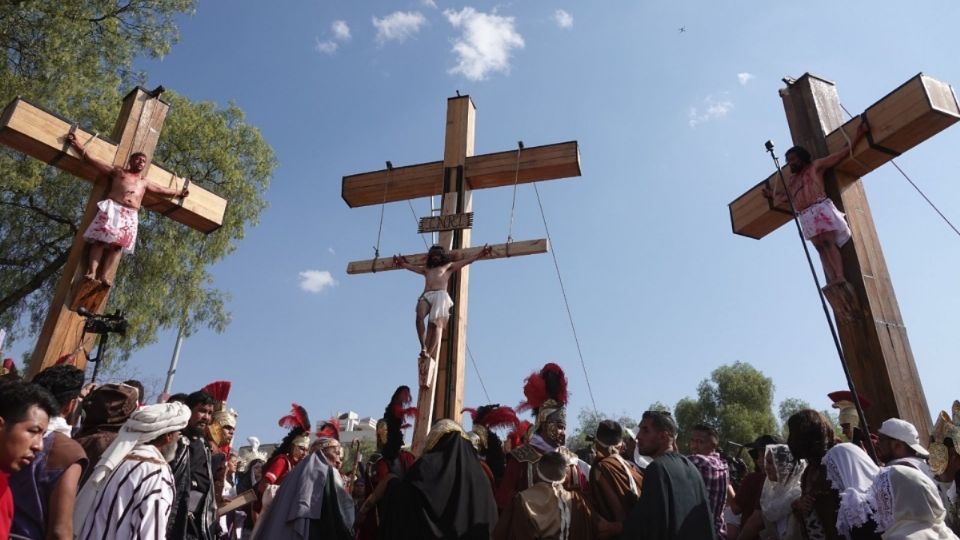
(716, 477)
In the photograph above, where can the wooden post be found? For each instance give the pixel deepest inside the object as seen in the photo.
(872, 333)
(41, 134)
(454, 178)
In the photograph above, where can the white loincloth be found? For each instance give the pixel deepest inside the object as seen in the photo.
(821, 217)
(440, 304)
(114, 225)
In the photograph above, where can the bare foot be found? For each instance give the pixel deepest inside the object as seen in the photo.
(423, 353)
(90, 276)
(106, 283)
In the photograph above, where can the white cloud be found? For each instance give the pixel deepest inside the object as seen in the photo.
(341, 32)
(486, 42)
(429, 3)
(331, 251)
(563, 19)
(315, 281)
(327, 47)
(710, 109)
(744, 78)
(398, 26)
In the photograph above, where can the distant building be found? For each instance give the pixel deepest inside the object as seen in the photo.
(353, 428)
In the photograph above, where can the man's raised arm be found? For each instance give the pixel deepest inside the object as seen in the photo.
(401, 261)
(169, 192)
(835, 158)
(487, 250)
(102, 166)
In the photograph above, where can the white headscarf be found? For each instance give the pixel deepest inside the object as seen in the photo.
(144, 425)
(851, 472)
(907, 506)
(779, 494)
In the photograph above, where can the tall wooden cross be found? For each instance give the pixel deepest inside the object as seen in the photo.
(872, 333)
(454, 178)
(42, 135)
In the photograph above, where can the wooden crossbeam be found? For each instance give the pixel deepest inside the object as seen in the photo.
(548, 162)
(917, 110)
(499, 251)
(41, 134)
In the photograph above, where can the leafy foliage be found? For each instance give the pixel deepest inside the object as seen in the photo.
(737, 400)
(588, 420)
(76, 58)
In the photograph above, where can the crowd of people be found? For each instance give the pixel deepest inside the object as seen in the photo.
(83, 462)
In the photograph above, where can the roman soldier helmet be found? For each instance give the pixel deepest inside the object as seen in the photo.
(844, 400)
(222, 416)
(328, 434)
(946, 433)
(485, 420)
(390, 427)
(546, 393)
(298, 422)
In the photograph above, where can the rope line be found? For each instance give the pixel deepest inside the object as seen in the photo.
(383, 206)
(910, 180)
(513, 205)
(417, 221)
(566, 302)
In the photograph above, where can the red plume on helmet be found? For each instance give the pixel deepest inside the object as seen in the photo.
(218, 390)
(69, 358)
(329, 429)
(494, 416)
(296, 419)
(516, 436)
(8, 367)
(549, 383)
(395, 414)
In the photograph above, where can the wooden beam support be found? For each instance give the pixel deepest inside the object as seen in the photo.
(500, 251)
(41, 134)
(548, 162)
(917, 110)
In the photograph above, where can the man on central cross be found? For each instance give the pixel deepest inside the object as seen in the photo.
(434, 303)
(820, 220)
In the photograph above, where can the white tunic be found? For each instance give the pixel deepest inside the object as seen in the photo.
(135, 500)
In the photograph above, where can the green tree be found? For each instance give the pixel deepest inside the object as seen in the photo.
(76, 58)
(737, 400)
(587, 421)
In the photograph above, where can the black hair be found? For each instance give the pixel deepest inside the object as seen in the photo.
(139, 386)
(133, 155)
(801, 153)
(199, 398)
(662, 422)
(178, 398)
(16, 399)
(287, 443)
(811, 435)
(444, 256)
(494, 456)
(709, 430)
(64, 383)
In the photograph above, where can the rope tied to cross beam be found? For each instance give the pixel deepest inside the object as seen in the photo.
(905, 175)
(383, 206)
(513, 205)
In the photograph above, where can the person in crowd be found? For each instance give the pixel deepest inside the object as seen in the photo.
(25, 411)
(898, 443)
(615, 484)
(774, 518)
(130, 492)
(906, 506)
(47, 489)
(704, 441)
(193, 516)
(105, 410)
(673, 504)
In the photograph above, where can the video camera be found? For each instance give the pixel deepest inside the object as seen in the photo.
(104, 324)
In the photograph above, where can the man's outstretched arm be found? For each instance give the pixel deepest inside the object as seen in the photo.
(457, 265)
(401, 261)
(169, 192)
(835, 158)
(102, 166)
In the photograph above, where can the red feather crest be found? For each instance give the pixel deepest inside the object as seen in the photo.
(410, 413)
(218, 390)
(494, 416)
(549, 383)
(296, 419)
(399, 404)
(516, 436)
(69, 358)
(330, 429)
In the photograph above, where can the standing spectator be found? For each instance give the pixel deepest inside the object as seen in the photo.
(105, 410)
(704, 441)
(46, 490)
(130, 492)
(193, 516)
(25, 411)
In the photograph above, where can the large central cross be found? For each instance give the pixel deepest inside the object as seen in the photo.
(454, 178)
(872, 333)
(42, 134)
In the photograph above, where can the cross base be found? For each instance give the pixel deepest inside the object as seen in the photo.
(427, 371)
(89, 294)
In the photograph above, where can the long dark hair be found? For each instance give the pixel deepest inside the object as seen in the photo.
(444, 256)
(811, 435)
(287, 443)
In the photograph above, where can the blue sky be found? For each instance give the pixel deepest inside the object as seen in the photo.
(671, 127)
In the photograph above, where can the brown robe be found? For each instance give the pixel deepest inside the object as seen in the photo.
(610, 493)
(534, 514)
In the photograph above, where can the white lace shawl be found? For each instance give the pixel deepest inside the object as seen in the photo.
(851, 472)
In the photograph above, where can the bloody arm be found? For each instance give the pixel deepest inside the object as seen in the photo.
(102, 166)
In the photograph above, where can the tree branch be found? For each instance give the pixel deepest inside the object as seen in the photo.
(35, 283)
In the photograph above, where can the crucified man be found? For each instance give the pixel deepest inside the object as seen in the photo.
(114, 229)
(435, 303)
(822, 223)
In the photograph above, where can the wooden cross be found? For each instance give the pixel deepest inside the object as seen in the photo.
(42, 135)
(454, 178)
(872, 333)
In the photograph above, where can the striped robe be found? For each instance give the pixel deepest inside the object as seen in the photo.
(135, 501)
